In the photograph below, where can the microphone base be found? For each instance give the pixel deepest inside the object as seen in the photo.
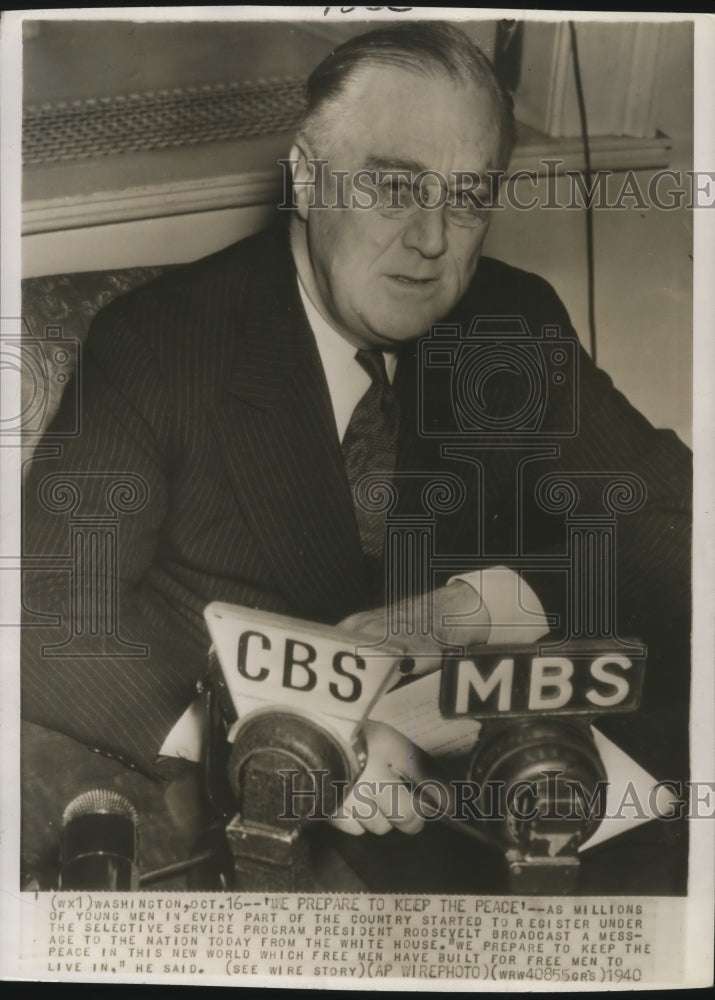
(100, 873)
(267, 859)
(542, 876)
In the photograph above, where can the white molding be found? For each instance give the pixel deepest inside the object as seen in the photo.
(608, 152)
(152, 201)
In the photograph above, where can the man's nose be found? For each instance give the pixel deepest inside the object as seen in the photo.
(426, 232)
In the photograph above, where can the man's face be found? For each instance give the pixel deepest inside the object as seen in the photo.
(384, 274)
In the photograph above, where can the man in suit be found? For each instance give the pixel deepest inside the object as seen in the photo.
(224, 393)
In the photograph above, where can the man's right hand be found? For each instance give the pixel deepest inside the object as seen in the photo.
(381, 799)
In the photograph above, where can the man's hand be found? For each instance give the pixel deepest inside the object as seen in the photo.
(380, 799)
(454, 615)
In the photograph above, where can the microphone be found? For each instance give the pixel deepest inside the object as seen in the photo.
(99, 843)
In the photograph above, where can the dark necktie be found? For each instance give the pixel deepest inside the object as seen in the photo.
(370, 445)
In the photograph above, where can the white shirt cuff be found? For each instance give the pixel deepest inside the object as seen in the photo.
(187, 735)
(516, 613)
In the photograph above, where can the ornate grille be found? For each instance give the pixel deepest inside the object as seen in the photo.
(106, 126)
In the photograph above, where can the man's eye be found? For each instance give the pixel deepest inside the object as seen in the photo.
(395, 193)
(468, 207)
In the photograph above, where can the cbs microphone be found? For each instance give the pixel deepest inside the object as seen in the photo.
(99, 843)
(290, 698)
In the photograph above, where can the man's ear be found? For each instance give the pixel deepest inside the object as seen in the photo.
(303, 174)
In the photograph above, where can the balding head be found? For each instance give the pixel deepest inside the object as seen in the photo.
(425, 48)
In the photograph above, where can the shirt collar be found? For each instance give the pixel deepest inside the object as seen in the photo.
(347, 379)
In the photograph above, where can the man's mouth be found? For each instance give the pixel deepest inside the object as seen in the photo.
(405, 279)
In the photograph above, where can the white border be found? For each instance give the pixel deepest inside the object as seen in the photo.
(699, 922)
(701, 883)
(10, 264)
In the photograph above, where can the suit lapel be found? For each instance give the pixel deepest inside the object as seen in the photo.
(277, 429)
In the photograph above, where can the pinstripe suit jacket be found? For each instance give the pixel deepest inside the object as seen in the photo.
(206, 387)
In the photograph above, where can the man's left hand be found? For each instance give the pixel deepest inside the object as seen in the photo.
(454, 615)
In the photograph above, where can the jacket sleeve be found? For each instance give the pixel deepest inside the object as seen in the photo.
(102, 661)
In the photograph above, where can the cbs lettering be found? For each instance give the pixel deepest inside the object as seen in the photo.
(299, 666)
